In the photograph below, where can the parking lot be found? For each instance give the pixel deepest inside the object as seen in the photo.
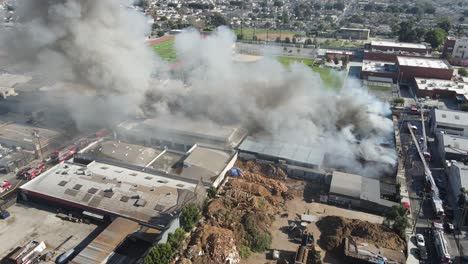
(30, 222)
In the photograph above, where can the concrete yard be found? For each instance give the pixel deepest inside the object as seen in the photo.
(27, 222)
(296, 207)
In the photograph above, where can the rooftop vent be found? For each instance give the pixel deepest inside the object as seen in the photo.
(124, 199)
(92, 190)
(162, 181)
(140, 203)
(62, 183)
(77, 187)
(457, 117)
(444, 115)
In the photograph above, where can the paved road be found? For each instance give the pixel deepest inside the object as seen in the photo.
(422, 208)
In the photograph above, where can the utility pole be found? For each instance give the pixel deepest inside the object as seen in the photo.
(36, 135)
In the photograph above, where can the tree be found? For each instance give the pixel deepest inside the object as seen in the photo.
(339, 5)
(445, 24)
(189, 216)
(356, 19)
(278, 3)
(435, 37)
(161, 254)
(240, 36)
(218, 19)
(176, 239)
(345, 61)
(278, 39)
(287, 40)
(463, 72)
(308, 41)
(160, 33)
(294, 40)
(398, 214)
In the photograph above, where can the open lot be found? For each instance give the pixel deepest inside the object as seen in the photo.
(294, 208)
(28, 222)
(262, 34)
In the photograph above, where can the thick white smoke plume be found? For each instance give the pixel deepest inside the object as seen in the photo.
(101, 44)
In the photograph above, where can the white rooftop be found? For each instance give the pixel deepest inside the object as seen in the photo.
(10, 80)
(398, 44)
(451, 117)
(378, 66)
(111, 189)
(423, 63)
(460, 88)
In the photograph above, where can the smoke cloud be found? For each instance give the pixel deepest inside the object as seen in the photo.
(100, 44)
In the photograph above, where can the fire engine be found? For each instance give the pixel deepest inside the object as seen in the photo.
(35, 170)
(5, 186)
(64, 154)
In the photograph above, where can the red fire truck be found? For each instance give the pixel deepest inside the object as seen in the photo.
(64, 154)
(5, 186)
(35, 171)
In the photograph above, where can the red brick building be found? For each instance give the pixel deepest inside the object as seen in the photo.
(400, 47)
(409, 68)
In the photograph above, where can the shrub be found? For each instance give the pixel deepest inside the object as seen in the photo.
(463, 72)
(160, 254)
(244, 252)
(176, 239)
(399, 100)
(189, 216)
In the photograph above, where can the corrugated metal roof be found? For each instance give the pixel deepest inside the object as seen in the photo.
(283, 150)
(346, 184)
(105, 243)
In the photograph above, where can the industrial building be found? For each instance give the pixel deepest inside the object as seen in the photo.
(400, 47)
(382, 71)
(449, 122)
(457, 173)
(355, 191)
(106, 191)
(410, 68)
(180, 134)
(353, 33)
(111, 245)
(200, 163)
(297, 160)
(436, 88)
(26, 137)
(451, 147)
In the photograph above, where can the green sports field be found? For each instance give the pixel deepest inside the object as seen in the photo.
(331, 78)
(166, 50)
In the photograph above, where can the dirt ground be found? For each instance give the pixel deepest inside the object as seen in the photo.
(296, 207)
(273, 36)
(28, 223)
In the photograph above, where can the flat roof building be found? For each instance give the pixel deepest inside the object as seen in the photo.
(452, 147)
(400, 46)
(410, 68)
(449, 122)
(112, 191)
(200, 163)
(436, 88)
(356, 191)
(180, 134)
(11, 80)
(28, 137)
(353, 33)
(378, 69)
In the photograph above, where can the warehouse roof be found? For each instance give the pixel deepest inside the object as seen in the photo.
(423, 62)
(283, 150)
(109, 189)
(398, 44)
(451, 117)
(23, 133)
(103, 246)
(187, 130)
(355, 186)
(124, 152)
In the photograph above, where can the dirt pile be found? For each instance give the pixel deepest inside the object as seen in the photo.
(241, 215)
(333, 229)
(265, 174)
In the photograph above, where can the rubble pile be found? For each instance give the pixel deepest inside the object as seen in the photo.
(246, 205)
(334, 229)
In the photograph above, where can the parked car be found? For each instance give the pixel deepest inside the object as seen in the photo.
(420, 241)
